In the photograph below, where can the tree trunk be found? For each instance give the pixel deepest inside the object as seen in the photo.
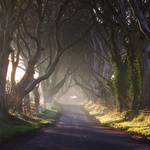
(27, 105)
(3, 73)
(16, 98)
(136, 83)
(146, 76)
(36, 99)
(122, 87)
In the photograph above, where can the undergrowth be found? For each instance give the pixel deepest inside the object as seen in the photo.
(139, 124)
(17, 125)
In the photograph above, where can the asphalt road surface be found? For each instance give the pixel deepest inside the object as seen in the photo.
(75, 130)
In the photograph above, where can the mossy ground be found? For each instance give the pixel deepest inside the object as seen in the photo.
(138, 125)
(15, 126)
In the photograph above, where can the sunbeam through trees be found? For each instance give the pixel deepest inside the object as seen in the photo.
(75, 65)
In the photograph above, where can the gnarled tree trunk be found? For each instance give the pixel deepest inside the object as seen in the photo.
(146, 76)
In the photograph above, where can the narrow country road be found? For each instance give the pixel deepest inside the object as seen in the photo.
(76, 131)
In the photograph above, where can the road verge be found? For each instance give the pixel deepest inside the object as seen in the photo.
(138, 127)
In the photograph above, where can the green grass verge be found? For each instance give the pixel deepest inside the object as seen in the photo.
(15, 127)
(15, 130)
(134, 126)
(139, 125)
(48, 116)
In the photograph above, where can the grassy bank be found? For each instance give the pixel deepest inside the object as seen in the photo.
(17, 125)
(139, 125)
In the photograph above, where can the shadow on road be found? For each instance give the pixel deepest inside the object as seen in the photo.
(75, 130)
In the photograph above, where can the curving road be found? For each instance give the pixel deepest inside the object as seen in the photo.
(76, 131)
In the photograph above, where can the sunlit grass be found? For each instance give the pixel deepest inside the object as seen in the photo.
(48, 116)
(108, 118)
(94, 109)
(137, 125)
